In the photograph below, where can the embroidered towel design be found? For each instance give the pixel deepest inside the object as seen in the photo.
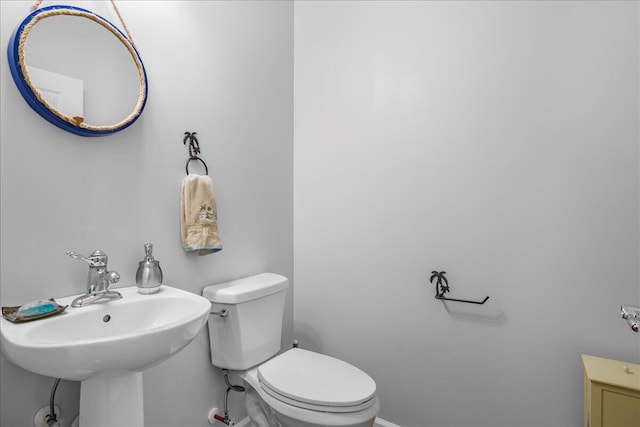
(199, 215)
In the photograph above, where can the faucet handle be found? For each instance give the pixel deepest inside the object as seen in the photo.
(96, 259)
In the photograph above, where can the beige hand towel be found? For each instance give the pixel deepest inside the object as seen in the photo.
(199, 215)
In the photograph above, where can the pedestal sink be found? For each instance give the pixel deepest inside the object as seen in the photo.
(106, 347)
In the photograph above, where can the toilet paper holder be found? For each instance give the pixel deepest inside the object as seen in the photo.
(442, 287)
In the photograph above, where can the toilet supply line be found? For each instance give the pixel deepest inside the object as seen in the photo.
(230, 387)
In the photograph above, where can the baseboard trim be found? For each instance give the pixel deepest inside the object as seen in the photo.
(384, 423)
(245, 422)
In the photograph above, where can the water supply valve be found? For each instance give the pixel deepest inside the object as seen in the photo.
(215, 417)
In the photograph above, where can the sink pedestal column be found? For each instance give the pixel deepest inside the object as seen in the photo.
(112, 399)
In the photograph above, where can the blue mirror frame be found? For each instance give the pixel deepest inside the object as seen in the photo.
(34, 98)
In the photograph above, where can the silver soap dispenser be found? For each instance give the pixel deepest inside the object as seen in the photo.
(149, 274)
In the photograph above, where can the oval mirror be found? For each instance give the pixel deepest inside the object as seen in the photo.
(77, 70)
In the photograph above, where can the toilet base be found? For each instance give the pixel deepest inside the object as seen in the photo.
(260, 414)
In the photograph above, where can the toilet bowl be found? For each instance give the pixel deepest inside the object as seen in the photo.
(303, 388)
(297, 388)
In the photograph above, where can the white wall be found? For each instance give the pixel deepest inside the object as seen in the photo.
(497, 141)
(222, 69)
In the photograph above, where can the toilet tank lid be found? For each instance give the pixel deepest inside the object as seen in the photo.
(246, 289)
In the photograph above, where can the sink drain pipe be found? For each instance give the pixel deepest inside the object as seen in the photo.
(52, 418)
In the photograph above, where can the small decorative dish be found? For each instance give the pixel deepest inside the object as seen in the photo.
(11, 313)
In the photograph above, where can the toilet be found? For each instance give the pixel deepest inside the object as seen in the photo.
(297, 388)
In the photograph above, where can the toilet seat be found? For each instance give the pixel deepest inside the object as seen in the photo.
(314, 381)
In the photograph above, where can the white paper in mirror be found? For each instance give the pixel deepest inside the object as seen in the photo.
(64, 93)
(77, 43)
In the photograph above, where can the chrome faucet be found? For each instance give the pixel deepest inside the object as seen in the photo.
(632, 316)
(98, 280)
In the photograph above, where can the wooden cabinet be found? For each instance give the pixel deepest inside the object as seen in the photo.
(611, 393)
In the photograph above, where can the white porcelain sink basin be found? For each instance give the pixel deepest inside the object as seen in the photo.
(106, 346)
(129, 334)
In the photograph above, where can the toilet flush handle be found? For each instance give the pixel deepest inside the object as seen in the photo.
(221, 313)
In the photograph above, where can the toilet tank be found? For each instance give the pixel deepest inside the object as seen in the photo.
(250, 333)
